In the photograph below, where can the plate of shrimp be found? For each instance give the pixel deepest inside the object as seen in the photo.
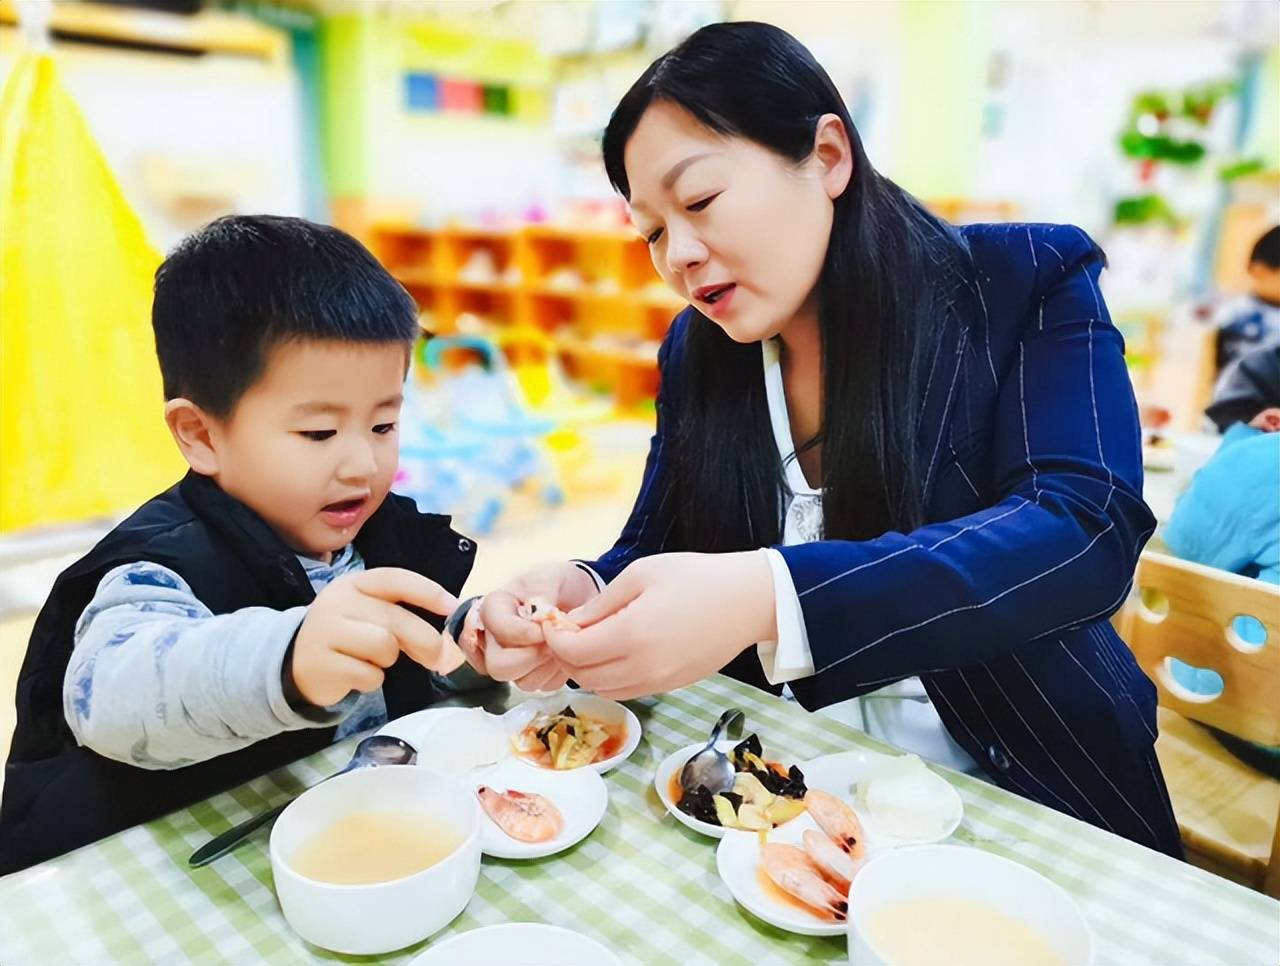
(528, 813)
(797, 877)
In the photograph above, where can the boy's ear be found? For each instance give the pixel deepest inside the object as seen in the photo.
(192, 430)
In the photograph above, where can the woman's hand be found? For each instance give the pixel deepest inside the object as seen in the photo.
(512, 647)
(667, 621)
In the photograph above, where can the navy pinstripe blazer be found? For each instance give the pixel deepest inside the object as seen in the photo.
(1033, 487)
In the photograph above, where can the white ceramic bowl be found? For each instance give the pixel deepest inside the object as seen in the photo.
(383, 916)
(954, 871)
(594, 706)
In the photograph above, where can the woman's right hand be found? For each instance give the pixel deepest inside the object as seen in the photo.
(513, 648)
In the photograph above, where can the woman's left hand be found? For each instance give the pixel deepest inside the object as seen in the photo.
(667, 621)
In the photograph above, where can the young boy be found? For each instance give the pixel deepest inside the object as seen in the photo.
(250, 614)
(1253, 320)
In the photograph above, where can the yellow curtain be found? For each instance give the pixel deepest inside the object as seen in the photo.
(81, 427)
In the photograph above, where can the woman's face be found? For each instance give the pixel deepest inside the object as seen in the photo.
(735, 229)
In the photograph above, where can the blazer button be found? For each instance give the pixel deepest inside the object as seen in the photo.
(465, 545)
(998, 757)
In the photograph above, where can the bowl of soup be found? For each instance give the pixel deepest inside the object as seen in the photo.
(965, 907)
(377, 859)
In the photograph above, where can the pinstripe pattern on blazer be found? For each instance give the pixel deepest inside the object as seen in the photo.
(1029, 435)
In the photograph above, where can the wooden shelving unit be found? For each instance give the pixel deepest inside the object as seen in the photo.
(594, 292)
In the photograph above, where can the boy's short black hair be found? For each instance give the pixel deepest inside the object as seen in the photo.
(245, 283)
(1267, 249)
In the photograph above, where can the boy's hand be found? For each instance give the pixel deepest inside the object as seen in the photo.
(355, 629)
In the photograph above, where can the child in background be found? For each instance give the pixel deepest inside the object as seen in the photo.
(252, 613)
(1254, 319)
(1249, 392)
(1229, 516)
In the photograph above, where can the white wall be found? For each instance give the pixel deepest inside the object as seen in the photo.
(185, 135)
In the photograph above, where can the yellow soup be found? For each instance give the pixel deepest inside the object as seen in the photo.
(960, 932)
(372, 846)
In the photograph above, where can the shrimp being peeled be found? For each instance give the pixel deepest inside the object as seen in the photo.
(836, 819)
(792, 871)
(543, 611)
(835, 863)
(524, 816)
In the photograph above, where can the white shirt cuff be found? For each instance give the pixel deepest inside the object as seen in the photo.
(788, 658)
(599, 581)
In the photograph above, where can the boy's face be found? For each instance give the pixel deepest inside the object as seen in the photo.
(1265, 282)
(313, 445)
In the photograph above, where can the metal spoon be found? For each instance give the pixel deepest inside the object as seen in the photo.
(453, 624)
(372, 752)
(711, 767)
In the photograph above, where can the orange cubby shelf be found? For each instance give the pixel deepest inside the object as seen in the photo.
(594, 291)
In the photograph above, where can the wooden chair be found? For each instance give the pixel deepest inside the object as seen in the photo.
(1227, 811)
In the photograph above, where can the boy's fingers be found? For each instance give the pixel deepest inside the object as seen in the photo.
(503, 624)
(354, 674)
(397, 586)
(371, 642)
(422, 642)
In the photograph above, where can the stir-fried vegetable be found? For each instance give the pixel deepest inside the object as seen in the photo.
(765, 794)
(566, 739)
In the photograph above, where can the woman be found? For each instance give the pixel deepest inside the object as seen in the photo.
(929, 430)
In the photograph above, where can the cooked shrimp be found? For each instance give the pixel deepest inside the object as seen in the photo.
(524, 816)
(795, 874)
(836, 864)
(542, 610)
(836, 819)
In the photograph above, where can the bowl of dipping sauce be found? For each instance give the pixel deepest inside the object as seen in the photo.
(377, 859)
(962, 906)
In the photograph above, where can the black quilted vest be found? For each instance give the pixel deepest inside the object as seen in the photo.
(58, 795)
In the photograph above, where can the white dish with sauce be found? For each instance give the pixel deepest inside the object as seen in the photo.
(390, 855)
(667, 772)
(584, 703)
(580, 796)
(911, 906)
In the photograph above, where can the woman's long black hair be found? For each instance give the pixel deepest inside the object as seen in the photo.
(888, 266)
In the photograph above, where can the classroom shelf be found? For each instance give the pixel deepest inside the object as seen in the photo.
(594, 291)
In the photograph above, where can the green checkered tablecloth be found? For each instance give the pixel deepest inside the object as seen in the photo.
(640, 883)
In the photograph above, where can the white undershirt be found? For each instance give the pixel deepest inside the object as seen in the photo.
(900, 713)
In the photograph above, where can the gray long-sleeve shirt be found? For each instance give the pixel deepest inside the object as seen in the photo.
(158, 681)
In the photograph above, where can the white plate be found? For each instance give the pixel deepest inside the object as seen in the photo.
(433, 732)
(591, 705)
(518, 944)
(839, 774)
(738, 858)
(579, 794)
